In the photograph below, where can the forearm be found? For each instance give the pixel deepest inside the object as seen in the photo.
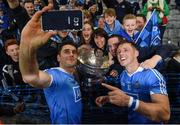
(156, 59)
(153, 111)
(28, 63)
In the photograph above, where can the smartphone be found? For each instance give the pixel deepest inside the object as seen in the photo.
(62, 20)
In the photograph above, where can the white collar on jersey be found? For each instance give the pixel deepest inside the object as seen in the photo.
(139, 69)
(61, 69)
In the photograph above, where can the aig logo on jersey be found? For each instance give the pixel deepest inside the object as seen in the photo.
(77, 93)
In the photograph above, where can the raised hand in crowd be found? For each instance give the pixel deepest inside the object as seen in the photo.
(151, 63)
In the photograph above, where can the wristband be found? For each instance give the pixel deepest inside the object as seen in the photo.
(133, 104)
(130, 102)
(137, 105)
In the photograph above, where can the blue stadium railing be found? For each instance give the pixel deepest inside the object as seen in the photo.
(36, 110)
(173, 88)
(36, 105)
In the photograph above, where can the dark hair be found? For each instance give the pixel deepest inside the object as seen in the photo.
(101, 32)
(124, 41)
(117, 36)
(69, 42)
(28, 1)
(10, 42)
(92, 35)
(110, 12)
(141, 15)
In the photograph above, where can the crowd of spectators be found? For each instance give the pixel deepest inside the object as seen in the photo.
(106, 24)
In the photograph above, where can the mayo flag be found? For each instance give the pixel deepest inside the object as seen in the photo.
(150, 34)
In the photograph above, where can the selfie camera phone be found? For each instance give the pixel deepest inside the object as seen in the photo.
(62, 20)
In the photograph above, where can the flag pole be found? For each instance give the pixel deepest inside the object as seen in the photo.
(145, 26)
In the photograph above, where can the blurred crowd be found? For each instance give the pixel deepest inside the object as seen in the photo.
(106, 24)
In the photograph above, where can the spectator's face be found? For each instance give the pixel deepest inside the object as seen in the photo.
(29, 8)
(126, 54)
(140, 23)
(101, 22)
(67, 56)
(130, 26)
(63, 34)
(109, 19)
(87, 32)
(93, 8)
(13, 52)
(112, 45)
(100, 41)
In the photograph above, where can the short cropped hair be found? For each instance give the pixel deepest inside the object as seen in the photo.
(129, 16)
(117, 36)
(141, 15)
(101, 32)
(110, 12)
(69, 42)
(10, 42)
(124, 41)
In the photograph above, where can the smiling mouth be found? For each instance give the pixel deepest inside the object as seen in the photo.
(122, 59)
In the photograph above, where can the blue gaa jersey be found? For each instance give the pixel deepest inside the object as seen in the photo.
(63, 97)
(140, 85)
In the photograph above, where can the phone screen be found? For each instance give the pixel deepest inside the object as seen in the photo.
(62, 20)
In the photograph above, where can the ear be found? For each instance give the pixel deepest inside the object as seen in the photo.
(136, 53)
(58, 57)
(7, 52)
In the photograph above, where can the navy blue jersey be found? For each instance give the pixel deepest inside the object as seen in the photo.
(63, 97)
(141, 85)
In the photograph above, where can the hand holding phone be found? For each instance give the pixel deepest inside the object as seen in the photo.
(62, 20)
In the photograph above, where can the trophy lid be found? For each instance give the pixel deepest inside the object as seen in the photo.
(93, 58)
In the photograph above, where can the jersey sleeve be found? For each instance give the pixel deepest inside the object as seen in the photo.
(55, 78)
(157, 83)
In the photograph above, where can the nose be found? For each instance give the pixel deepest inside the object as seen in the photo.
(120, 54)
(71, 53)
(15, 52)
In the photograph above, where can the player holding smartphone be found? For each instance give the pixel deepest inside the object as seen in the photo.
(61, 90)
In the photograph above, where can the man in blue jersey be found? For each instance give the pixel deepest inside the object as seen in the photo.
(61, 90)
(143, 90)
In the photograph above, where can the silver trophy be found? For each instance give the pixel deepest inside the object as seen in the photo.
(92, 65)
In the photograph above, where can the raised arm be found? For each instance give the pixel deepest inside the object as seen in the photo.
(32, 38)
(160, 52)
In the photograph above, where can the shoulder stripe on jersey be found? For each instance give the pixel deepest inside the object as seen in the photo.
(161, 81)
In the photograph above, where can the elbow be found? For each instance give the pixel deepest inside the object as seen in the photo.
(166, 115)
(162, 116)
(32, 80)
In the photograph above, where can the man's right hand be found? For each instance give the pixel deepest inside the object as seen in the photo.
(150, 8)
(101, 100)
(32, 34)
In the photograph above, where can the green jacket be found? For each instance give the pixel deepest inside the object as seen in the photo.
(144, 10)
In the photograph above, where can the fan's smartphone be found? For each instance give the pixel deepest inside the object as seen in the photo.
(62, 20)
